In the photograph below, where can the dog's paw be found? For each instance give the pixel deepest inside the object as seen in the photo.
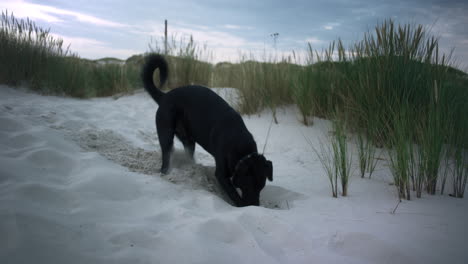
(164, 171)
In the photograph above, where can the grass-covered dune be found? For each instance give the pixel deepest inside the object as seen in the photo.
(394, 88)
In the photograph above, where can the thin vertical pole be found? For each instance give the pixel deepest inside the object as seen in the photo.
(165, 37)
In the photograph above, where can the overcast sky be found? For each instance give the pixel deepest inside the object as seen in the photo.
(121, 28)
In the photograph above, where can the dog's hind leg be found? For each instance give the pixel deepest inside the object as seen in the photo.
(167, 144)
(166, 130)
(189, 147)
(184, 135)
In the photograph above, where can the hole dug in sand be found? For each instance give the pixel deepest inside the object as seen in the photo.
(184, 170)
(276, 197)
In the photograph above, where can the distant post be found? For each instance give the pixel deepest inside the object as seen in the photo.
(165, 48)
(275, 38)
(165, 37)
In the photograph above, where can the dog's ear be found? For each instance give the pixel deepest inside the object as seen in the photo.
(269, 170)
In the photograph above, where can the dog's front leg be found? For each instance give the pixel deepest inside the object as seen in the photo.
(227, 186)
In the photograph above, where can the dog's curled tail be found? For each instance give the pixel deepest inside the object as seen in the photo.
(153, 62)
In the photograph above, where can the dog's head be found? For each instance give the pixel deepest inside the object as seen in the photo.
(250, 176)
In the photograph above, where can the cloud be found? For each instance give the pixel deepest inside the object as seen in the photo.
(23, 9)
(213, 37)
(331, 26)
(222, 44)
(314, 41)
(93, 49)
(237, 27)
(225, 46)
(232, 26)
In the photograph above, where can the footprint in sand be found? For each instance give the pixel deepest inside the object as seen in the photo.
(366, 246)
(51, 160)
(10, 125)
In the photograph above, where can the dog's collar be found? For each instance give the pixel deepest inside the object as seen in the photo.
(242, 161)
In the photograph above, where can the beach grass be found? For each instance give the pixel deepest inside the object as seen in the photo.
(396, 88)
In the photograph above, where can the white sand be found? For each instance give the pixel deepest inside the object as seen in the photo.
(79, 184)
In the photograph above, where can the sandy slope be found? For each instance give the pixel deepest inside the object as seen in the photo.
(79, 184)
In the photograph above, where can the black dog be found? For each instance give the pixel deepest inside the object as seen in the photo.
(195, 114)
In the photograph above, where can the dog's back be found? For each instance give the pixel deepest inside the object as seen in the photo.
(204, 112)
